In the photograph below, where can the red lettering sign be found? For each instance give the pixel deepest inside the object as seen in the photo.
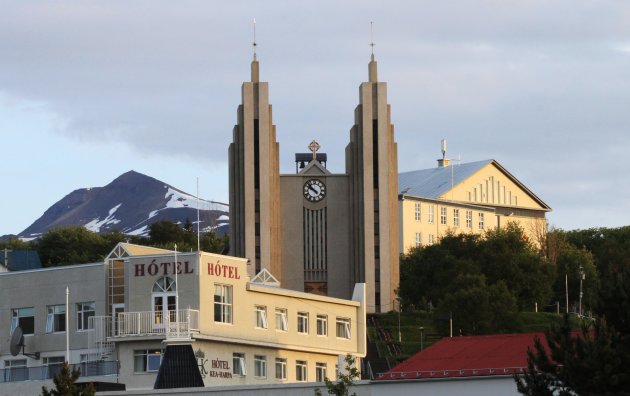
(222, 270)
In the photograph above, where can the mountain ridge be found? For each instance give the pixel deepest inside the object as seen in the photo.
(130, 204)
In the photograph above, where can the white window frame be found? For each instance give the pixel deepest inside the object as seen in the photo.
(418, 211)
(322, 325)
(53, 365)
(17, 316)
(481, 221)
(469, 219)
(281, 369)
(239, 366)
(223, 302)
(456, 217)
(418, 239)
(302, 322)
(282, 320)
(320, 371)
(431, 239)
(443, 216)
(56, 318)
(301, 371)
(260, 366)
(431, 214)
(149, 359)
(343, 328)
(85, 310)
(261, 317)
(15, 370)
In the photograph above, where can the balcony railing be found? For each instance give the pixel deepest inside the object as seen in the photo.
(149, 323)
(88, 369)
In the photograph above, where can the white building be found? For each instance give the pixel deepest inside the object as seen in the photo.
(121, 312)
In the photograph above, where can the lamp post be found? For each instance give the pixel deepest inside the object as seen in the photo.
(421, 337)
(582, 277)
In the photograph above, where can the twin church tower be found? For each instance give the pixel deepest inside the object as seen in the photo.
(314, 230)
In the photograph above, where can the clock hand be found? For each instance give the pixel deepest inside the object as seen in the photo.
(313, 189)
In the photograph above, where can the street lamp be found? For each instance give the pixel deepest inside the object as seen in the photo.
(421, 338)
(582, 277)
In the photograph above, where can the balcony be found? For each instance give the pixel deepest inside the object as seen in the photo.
(105, 329)
(38, 373)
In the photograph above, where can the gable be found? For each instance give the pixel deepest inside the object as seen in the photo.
(493, 185)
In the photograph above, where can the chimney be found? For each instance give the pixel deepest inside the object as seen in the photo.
(443, 162)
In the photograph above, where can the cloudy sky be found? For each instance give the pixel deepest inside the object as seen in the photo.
(92, 89)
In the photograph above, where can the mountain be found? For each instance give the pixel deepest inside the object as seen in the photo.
(129, 204)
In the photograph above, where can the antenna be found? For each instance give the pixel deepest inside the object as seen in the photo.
(254, 43)
(17, 343)
(372, 37)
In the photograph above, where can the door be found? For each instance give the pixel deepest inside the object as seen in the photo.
(163, 308)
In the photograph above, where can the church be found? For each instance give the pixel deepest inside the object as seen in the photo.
(314, 230)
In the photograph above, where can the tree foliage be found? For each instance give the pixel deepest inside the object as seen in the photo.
(345, 380)
(65, 384)
(75, 245)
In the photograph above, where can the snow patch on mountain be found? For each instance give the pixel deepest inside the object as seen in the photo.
(142, 231)
(96, 224)
(179, 199)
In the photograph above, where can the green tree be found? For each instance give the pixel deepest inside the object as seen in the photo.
(345, 380)
(165, 233)
(65, 384)
(71, 245)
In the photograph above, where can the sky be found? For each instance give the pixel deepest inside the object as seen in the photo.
(92, 89)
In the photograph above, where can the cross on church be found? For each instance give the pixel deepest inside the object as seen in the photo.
(314, 146)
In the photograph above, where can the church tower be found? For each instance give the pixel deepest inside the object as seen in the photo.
(255, 180)
(372, 164)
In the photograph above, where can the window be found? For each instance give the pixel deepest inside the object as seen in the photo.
(281, 368)
(320, 372)
(417, 211)
(443, 216)
(431, 214)
(261, 317)
(418, 239)
(431, 239)
(53, 365)
(282, 323)
(343, 328)
(84, 312)
(302, 322)
(15, 370)
(222, 303)
(322, 325)
(469, 219)
(456, 217)
(260, 366)
(481, 221)
(238, 364)
(25, 318)
(300, 371)
(56, 319)
(147, 360)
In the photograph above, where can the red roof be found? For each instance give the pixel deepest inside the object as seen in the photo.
(500, 354)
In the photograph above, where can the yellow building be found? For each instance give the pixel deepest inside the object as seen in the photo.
(471, 197)
(121, 313)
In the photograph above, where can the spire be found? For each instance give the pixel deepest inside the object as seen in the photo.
(255, 67)
(372, 66)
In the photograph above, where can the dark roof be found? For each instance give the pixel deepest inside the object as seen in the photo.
(469, 356)
(431, 183)
(21, 260)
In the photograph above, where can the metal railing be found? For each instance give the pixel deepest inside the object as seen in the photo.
(38, 373)
(147, 323)
(398, 375)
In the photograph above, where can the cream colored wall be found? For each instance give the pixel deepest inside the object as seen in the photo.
(243, 327)
(485, 181)
(410, 226)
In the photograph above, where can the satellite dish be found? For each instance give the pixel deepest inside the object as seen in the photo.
(17, 341)
(17, 344)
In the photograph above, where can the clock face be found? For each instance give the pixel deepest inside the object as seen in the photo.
(314, 190)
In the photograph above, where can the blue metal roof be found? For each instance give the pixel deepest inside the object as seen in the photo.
(432, 183)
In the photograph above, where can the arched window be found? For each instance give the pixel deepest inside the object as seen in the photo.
(164, 285)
